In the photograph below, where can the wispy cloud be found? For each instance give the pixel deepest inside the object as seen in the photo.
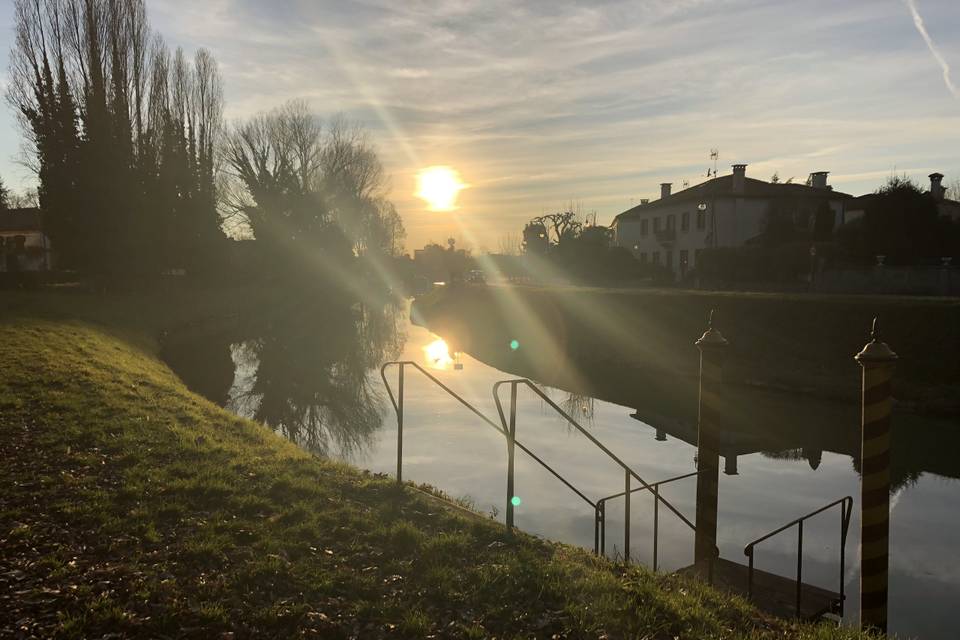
(918, 22)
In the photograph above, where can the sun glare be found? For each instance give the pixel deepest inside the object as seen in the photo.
(438, 354)
(439, 187)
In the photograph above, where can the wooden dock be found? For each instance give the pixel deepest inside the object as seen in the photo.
(772, 594)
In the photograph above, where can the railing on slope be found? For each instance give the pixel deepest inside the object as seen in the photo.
(397, 402)
(655, 489)
(510, 430)
(846, 507)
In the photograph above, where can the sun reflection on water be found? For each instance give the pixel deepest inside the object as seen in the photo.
(438, 354)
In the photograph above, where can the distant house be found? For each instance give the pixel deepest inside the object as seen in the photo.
(727, 211)
(858, 206)
(23, 244)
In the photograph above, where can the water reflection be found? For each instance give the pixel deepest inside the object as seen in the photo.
(305, 371)
(776, 424)
(311, 373)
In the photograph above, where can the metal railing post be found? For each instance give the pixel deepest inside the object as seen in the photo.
(656, 523)
(799, 564)
(400, 426)
(844, 523)
(750, 577)
(603, 528)
(626, 517)
(596, 530)
(511, 441)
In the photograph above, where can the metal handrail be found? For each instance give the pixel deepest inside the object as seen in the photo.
(846, 508)
(655, 487)
(600, 515)
(397, 402)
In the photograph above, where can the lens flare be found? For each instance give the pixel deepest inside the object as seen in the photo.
(515, 501)
(439, 186)
(514, 345)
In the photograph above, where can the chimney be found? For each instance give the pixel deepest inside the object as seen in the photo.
(936, 188)
(644, 200)
(818, 179)
(739, 177)
(665, 189)
(730, 465)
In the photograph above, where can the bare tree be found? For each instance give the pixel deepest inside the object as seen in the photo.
(563, 224)
(293, 170)
(953, 189)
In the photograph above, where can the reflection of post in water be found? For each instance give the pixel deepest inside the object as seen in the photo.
(878, 362)
(713, 349)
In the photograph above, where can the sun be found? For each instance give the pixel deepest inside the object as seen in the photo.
(439, 186)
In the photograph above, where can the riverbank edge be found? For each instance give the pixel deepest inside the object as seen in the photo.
(137, 508)
(791, 343)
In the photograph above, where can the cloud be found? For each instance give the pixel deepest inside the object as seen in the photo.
(918, 22)
(537, 103)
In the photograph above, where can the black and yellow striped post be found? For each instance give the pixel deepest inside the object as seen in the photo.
(878, 362)
(713, 351)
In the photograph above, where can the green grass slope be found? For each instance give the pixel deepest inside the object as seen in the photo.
(130, 507)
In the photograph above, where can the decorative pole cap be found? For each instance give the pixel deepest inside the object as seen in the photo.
(711, 337)
(876, 351)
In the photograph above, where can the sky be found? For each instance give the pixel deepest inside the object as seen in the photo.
(542, 104)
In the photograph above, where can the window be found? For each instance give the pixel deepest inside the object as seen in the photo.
(656, 225)
(685, 221)
(643, 226)
(696, 256)
(684, 259)
(671, 222)
(643, 257)
(669, 264)
(701, 220)
(656, 257)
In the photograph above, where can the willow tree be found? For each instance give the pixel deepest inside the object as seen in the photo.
(307, 192)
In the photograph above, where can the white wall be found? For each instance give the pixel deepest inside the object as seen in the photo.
(628, 234)
(736, 221)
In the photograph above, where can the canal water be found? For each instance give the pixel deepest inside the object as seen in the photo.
(313, 375)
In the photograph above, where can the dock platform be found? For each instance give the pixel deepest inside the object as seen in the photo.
(773, 594)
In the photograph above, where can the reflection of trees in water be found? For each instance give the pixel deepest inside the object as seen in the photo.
(312, 378)
(578, 407)
(900, 477)
(812, 456)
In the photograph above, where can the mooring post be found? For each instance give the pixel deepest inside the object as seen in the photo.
(713, 352)
(878, 362)
(400, 426)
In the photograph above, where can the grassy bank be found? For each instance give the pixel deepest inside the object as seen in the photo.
(800, 343)
(130, 507)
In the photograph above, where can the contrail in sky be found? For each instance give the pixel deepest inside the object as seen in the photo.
(918, 22)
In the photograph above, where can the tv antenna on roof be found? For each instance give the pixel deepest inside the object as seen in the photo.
(714, 155)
